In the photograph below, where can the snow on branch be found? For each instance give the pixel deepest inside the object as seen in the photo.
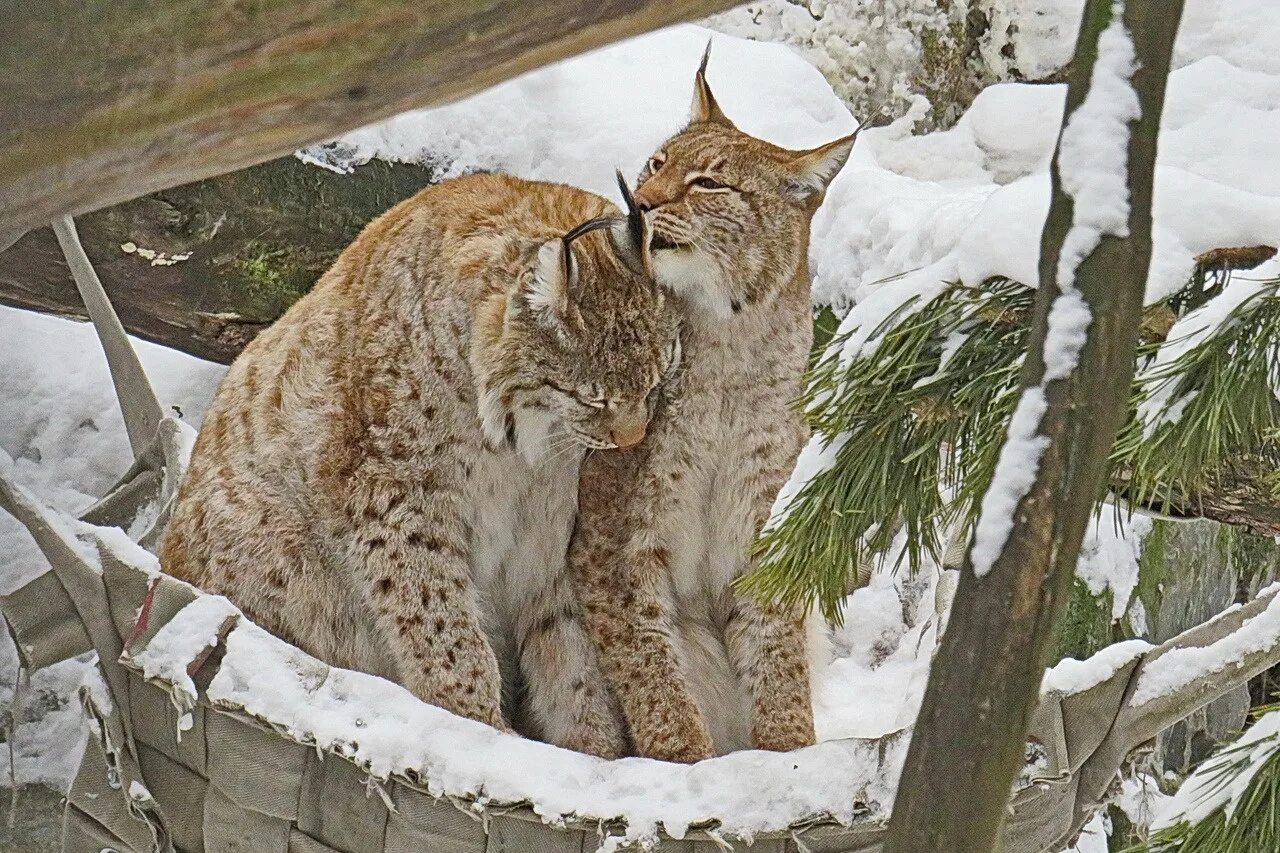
(1092, 166)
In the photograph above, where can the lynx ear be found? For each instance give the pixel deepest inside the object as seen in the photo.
(705, 108)
(630, 237)
(812, 171)
(549, 290)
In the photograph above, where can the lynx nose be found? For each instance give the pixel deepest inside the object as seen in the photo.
(645, 203)
(627, 433)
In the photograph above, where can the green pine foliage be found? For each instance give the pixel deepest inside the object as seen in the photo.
(1232, 413)
(918, 429)
(920, 421)
(1254, 823)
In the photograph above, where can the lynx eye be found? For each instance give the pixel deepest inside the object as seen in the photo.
(703, 182)
(656, 162)
(577, 398)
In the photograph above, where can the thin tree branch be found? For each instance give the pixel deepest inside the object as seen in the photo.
(969, 738)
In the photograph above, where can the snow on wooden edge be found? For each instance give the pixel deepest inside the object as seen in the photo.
(1179, 668)
(386, 730)
(1070, 676)
(183, 639)
(368, 720)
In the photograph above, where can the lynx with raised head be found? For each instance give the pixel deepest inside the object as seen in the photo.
(665, 527)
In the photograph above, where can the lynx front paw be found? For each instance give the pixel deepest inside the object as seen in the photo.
(606, 743)
(783, 733)
(488, 716)
(464, 703)
(683, 739)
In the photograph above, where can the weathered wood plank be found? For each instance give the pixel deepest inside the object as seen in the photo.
(107, 100)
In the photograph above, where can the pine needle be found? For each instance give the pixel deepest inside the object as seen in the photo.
(921, 419)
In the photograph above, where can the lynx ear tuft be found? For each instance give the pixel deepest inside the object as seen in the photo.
(705, 108)
(813, 171)
(549, 290)
(630, 236)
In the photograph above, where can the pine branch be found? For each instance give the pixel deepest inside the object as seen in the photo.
(1253, 821)
(922, 416)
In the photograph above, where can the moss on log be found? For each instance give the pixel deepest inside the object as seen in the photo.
(204, 266)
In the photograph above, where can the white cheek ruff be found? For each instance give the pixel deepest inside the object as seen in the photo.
(696, 278)
(493, 419)
(534, 429)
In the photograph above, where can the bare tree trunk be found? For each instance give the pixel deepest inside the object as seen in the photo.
(970, 737)
(107, 100)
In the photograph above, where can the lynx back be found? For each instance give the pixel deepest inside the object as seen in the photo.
(382, 478)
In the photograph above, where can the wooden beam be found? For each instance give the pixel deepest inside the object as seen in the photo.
(107, 100)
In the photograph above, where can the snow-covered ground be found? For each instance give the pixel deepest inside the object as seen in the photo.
(60, 424)
(908, 213)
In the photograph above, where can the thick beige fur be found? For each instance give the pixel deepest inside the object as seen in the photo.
(387, 477)
(665, 527)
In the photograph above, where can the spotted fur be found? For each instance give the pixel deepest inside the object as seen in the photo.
(665, 527)
(388, 475)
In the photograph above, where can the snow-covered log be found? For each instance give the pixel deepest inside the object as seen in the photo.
(106, 100)
(1017, 575)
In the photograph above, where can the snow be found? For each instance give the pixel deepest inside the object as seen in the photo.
(183, 639)
(60, 423)
(905, 203)
(871, 53)
(875, 682)
(1208, 789)
(1014, 475)
(1109, 560)
(1243, 32)
(1093, 837)
(1093, 166)
(1070, 676)
(577, 120)
(816, 456)
(1141, 799)
(1043, 33)
(49, 729)
(366, 719)
(1179, 668)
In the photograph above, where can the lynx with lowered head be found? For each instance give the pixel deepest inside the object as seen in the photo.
(388, 475)
(665, 528)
